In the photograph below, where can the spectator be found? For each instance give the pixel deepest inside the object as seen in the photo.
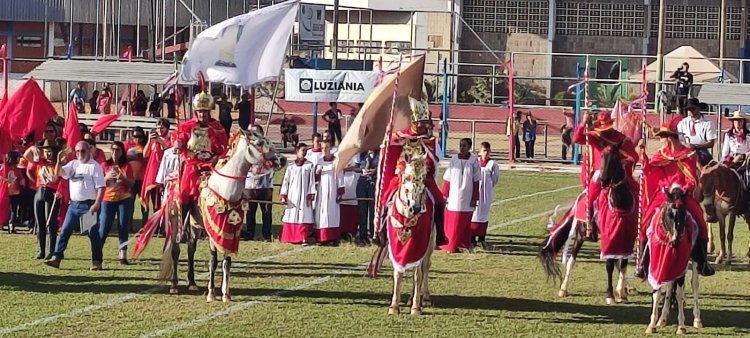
(123, 108)
(566, 133)
(245, 113)
(154, 108)
(461, 192)
(288, 130)
(104, 101)
(170, 164)
(683, 83)
(78, 96)
(158, 142)
(96, 153)
(15, 179)
(298, 192)
(698, 131)
(171, 103)
(45, 205)
(368, 164)
(225, 113)
(118, 177)
(529, 135)
(512, 128)
(140, 104)
(489, 175)
(348, 206)
(329, 192)
(333, 117)
(138, 165)
(86, 191)
(327, 137)
(736, 143)
(94, 102)
(259, 188)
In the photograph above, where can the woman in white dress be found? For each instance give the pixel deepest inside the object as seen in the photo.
(736, 141)
(489, 176)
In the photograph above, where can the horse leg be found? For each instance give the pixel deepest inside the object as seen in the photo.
(730, 237)
(427, 265)
(394, 309)
(175, 261)
(656, 299)
(747, 220)
(680, 295)
(697, 322)
(621, 292)
(192, 246)
(610, 269)
(225, 267)
(416, 302)
(212, 263)
(711, 246)
(668, 294)
(569, 267)
(722, 238)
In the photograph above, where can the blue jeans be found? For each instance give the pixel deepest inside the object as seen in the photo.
(72, 221)
(124, 211)
(366, 189)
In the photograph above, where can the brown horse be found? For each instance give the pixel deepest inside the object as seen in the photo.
(725, 189)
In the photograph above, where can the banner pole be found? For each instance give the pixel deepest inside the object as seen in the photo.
(511, 111)
(315, 104)
(576, 147)
(444, 126)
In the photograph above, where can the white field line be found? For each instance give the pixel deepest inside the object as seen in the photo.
(303, 286)
(126, 297)
(533, 195)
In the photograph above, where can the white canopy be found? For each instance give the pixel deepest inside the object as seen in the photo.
(703, 69)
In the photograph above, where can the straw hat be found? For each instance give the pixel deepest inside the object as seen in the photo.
(737, 115)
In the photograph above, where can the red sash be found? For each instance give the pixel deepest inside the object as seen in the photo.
(222, 220)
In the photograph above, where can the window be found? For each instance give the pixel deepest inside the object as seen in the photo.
(396, 47)
(29, 41)
(694, 22)
(506, 16)
(600, 19)
(370, 47)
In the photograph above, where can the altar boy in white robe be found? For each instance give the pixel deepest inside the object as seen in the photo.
(329, 192)
(349, 205)
(461, 191)
(489, 176)
(298, 192)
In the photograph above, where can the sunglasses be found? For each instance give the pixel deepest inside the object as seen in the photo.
(82, 151)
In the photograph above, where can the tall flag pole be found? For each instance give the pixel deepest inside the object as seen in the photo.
(587, 160)
(511, 109)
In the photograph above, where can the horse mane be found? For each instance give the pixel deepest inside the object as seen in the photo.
(236, 142)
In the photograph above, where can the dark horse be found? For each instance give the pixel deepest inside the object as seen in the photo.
(616, 219)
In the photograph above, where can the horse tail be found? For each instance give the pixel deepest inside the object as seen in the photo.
(147, 233)
(376, 262)
(554, 242)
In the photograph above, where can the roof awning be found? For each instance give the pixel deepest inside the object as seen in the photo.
(104, 71)
(702, 68)
(725, 94)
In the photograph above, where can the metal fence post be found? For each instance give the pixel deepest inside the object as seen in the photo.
(473, 135)
(576, 148)
(444, 119)
(546, 139)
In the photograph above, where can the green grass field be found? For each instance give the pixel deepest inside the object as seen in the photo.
(293, 291)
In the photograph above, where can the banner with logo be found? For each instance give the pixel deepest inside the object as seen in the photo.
(310, 85)
(312, 25)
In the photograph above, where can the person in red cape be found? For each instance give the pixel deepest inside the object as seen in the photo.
(154, 151)
(204, 140)
(595, 137)
(420, 121)
(672, 164)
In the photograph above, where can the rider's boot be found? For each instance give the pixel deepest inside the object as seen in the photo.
(641, 268)
(700, 257)
(708, 204)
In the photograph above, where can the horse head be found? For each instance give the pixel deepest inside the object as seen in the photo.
(612, 171)
(674, 215)
(412, 180)
(256, 149)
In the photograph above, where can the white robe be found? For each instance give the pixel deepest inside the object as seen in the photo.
(461, 174)
(298, 183)
(350, 183)
(327, 211)
(313, 156)
(489, 176)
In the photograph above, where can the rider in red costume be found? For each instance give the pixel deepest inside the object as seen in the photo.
(203, 140)
(601, 134)
(420, 122)
(672, 164)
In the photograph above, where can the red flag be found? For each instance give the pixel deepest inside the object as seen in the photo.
(26, 112)
(72, 133)
(3, 101)
(103, 122)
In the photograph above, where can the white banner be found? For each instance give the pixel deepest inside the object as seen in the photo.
(312, 24)
(243, 50)
(310, 85)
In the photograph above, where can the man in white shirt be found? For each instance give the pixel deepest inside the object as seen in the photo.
(259, 187)
(698, 131)
(86, 185)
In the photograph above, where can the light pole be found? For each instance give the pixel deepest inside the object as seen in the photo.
(660, 54)
(335, 42)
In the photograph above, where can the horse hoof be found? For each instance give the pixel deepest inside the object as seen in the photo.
(210, 298)
(698, 324)
(661, 323)
(415, 312)
(681, 331)
(226, 298)
(609, 301)
(193, 287)
(173, 291)
(393, 310)
(621, 300)
(426, 302)
(562, 293)
(719, 259)
(650, 330)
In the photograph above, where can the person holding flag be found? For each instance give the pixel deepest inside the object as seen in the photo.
(595, 136)
(204, 141)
